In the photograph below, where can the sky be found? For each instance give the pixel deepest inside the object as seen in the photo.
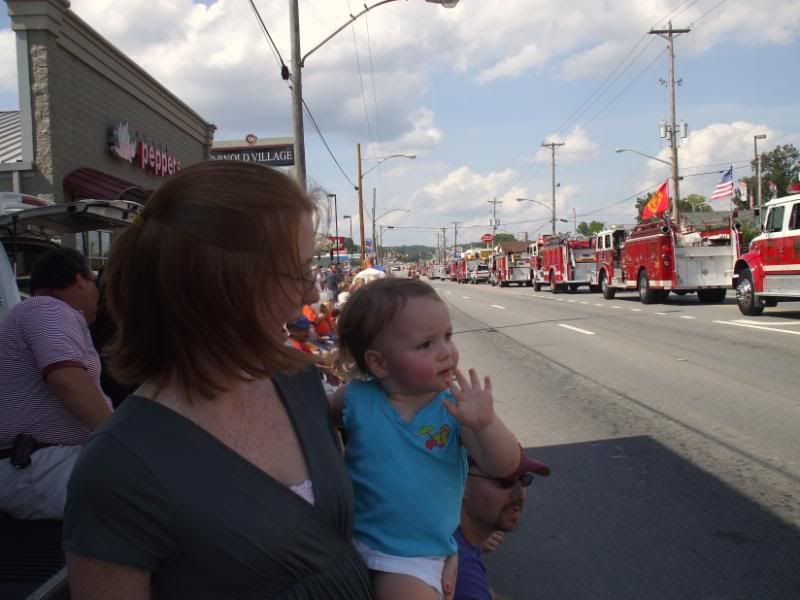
(474, 91)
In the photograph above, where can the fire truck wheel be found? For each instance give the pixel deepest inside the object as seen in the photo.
(608, 292)
(749, 304)
(646, 294)
(503, 284)
(537, 287)
(553, 285)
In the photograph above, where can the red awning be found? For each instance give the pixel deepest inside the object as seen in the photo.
(86, 183)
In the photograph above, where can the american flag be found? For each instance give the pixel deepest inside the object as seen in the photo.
(724, 188)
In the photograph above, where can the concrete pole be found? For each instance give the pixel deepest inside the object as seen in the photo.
(297, 96)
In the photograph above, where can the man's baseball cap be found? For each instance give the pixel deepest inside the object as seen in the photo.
(299, 323)
(526, 465)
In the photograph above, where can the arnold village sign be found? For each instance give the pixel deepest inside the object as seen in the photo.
(272, 153)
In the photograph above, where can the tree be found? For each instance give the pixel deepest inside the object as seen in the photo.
(694, 203)
(780, 166)
(589, 229)
(504, 237)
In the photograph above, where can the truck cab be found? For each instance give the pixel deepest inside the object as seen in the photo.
(608, 260)
(770, 271)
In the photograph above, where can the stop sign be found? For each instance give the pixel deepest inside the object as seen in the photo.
(486, 238)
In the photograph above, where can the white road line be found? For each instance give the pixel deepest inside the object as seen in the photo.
(746, 322)
(448, 293)
(584, 303)
(498, 306)
(687, 317)
(660, 313)
(599, 304)
(616, 307)
(573, 301)
(560, 299)
(636, 309)
(570, 327)
(465, 297)
(758, 327)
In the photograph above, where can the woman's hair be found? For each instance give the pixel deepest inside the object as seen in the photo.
(370, 310)
(189, 283)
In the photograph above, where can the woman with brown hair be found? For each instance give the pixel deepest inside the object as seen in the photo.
(220, 477)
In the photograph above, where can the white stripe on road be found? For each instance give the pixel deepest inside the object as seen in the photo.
(636, 309)
(571, 301)
(465, 297)
(746, 322)
(570, 327)
(600, 305)
(584, 303)
(686, 317)
(616, 307)
(660, 313)
(498, 306)
(758, 327)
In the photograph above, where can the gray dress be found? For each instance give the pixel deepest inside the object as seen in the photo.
(155, 491)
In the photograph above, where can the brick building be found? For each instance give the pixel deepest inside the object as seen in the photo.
(91, 123)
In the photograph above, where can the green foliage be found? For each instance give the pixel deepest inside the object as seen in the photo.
(504, 237)
(694, 203)
(780, 165)
(589, 229)
(412, 253)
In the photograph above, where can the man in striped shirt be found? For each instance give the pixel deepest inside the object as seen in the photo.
(49, 384)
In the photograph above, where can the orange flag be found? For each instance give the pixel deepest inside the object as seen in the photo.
(658, 203)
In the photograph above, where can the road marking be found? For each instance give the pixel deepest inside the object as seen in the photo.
(758, 327)
(616, 307)
(600, 305)
(573, 301)
(465, 297)
(746, 322)
(448, 293)
(570, 327)
(498, 306)
(687, 317)
(584, 303)
(636, 309)
(560, 299)
(660, 313)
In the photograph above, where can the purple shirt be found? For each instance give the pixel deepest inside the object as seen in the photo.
(472, 582)
(38, 336)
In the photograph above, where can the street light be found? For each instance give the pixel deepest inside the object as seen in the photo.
(553, 211)
(675, 178)
(379, 256)
(296, 76)
(360, 188)
(376, 219)
(349, 218)
(760, 136)
(336, 222)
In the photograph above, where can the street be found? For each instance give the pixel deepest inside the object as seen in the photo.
(672, 433)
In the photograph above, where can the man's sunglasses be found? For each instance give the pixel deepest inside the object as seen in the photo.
(525, 480)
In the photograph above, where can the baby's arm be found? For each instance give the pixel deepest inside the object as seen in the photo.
(486, 437)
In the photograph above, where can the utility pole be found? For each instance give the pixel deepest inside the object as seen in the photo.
(455, 236)
(374, 238)
(444, 245)
(360, 203)
(757, 165)
(297, 100)
(669, 34)
(437, 247)
(494, 204)
(552, 146)
(575, 219)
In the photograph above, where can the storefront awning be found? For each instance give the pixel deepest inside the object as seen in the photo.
(90, 183)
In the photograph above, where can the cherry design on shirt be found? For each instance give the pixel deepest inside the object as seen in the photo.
(435, 439)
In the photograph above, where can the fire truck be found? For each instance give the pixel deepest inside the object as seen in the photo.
(567, 262)
(770, 271)
(537, 274)
(510, 263)
(657, 257)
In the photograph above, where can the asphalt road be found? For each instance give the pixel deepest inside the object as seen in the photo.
(673, 432)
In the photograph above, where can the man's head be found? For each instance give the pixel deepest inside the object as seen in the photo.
(495, 504)
(64, 274)
(369, 262)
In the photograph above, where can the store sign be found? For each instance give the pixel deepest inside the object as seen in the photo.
(486, 238)
(271, 156)
(146, 155)
(338, 243)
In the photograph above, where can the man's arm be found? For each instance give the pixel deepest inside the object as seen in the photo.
(80, 395)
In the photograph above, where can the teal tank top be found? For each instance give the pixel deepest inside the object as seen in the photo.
(408, 477)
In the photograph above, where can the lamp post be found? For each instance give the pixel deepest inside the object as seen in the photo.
(361, 175)
(336, 223)
(295, 74)
(553, 211)
(675, 178)
(379, 257)
(760, 136)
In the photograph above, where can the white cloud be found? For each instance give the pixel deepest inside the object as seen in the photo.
(577, 148)
(529, 57)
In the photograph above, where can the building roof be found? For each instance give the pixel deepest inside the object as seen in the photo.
(10, 136)
(515, 246)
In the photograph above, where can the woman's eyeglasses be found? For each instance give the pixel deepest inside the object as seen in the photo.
(525, 480)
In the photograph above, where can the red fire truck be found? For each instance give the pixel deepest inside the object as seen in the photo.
(538, 277)
(657, 257)
(458, 270)
(567, 262)
(770, 271)
(511, 263)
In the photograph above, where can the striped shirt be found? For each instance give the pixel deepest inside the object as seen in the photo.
(38, 336)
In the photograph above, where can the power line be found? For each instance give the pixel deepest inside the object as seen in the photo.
(328, 148)
(374, 91)
(275, 52)
(360, 76)
(701, 17)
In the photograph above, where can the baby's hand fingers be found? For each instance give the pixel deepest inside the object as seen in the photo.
(451, 408)
(462, 382)
(487, 384)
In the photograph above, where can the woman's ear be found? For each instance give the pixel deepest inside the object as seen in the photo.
(376, 363)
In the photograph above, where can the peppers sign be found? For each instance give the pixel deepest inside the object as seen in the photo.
(486, 238)
(148, 156)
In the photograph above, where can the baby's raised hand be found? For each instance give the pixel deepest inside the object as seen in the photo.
(475, 406)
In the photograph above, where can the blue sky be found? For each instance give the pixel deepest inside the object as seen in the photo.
(474, 91)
